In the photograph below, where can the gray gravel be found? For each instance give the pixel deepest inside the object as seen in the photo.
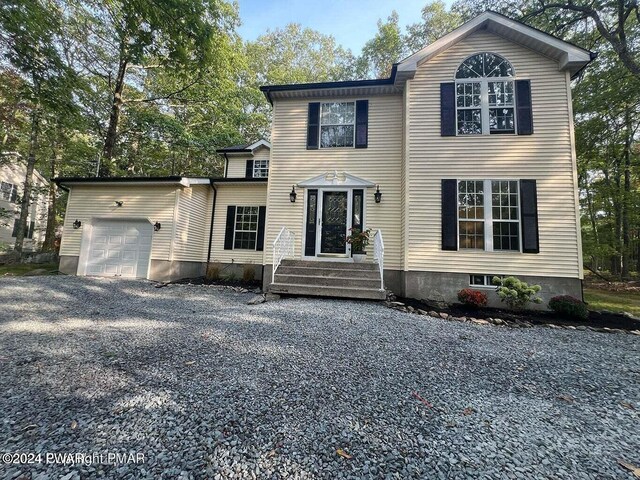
(206, 386)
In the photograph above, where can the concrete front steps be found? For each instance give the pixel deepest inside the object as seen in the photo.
(328, 279)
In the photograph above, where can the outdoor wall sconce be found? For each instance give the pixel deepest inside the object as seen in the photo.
(77, 224)
(377, 196)
(119, 203)
(156, 226)
(293, 194)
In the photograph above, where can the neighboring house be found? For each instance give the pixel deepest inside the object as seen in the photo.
(463, 161)
(12, 177)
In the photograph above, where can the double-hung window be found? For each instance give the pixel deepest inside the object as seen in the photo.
(8, 191)
(485, 100)
(260, 168)
(337, 124)
(489, 215)
(246, 228)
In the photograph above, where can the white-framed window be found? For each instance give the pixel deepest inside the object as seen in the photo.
(485, 98)
(8, 192)
(246, 228)
(260, 168)
(480, 280)
(489, 215)
(337, 124)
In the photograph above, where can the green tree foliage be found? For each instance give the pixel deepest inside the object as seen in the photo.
(385, 48)
(436, 22)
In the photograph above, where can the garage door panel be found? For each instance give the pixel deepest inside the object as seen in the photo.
(120, 247)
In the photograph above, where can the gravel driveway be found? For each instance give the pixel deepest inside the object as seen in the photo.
(205, 386)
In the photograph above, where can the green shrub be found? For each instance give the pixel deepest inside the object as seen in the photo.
(472, 298)
(569, 306)
(516, 293)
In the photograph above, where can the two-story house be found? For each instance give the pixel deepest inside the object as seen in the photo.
(12, 175)
(462, 163)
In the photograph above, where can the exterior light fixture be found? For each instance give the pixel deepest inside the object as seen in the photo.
(77, 224)
(377, 196)
(157, 226)
(119, 203)
(293, 194)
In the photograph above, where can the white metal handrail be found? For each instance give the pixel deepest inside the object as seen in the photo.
(282, 248)
(378, 255)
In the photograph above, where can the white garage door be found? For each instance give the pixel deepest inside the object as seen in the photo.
(120, 248)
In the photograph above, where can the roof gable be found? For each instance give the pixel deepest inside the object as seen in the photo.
(569, 57)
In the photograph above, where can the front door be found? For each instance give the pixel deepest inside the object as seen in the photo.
(333, 228)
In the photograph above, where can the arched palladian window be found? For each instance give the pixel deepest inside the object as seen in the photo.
(485, 97)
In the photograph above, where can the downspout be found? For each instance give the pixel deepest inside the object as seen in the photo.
(226, 165)
(213, 212)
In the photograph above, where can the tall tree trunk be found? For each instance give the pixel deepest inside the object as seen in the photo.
(50, 233)
(114, 118)
(626, 196)
(28, 180)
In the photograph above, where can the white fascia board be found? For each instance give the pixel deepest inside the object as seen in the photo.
(260, 143)
(576, 57)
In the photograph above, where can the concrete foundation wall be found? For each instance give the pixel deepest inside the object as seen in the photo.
(166, 270)
(444, 287)
(235, 270)
(68, 264)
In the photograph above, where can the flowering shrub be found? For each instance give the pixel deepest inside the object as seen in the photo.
(516, 293)
(569, 307)
(358, 239)
(473, 298)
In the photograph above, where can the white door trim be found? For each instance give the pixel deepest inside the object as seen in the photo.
(331, 257)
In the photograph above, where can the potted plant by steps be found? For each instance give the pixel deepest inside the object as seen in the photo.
(358, 239)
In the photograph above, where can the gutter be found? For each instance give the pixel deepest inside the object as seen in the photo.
(592, 56)
(213, 213)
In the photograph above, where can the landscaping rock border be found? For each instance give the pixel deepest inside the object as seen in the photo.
(391, 302)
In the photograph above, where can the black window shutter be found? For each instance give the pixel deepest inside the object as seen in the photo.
(14, 232)
(523, 107)
(230, 227)
(448, 109)
(313, 126)
(449, 215)
(529, 214)
(262, 213)
(249, 169)
(362, 123)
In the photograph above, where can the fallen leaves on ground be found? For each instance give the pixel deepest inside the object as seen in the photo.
(627, 405)
(189, 363)
(468, 411)
(343, 454)
(632, 468)
(74, 425)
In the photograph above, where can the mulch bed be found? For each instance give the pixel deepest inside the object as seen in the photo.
(596, 319)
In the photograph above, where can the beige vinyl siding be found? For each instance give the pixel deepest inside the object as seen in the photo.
(193, 220)
(253, 195)
(380, 163)
(237, 167)
(545, 156)
(155, 203)
(14, 173)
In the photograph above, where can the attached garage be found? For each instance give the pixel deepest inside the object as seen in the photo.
(119, 248)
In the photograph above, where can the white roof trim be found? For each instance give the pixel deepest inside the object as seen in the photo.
(570, 57)
(260, 143)
(187, 182)
(336, 179)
